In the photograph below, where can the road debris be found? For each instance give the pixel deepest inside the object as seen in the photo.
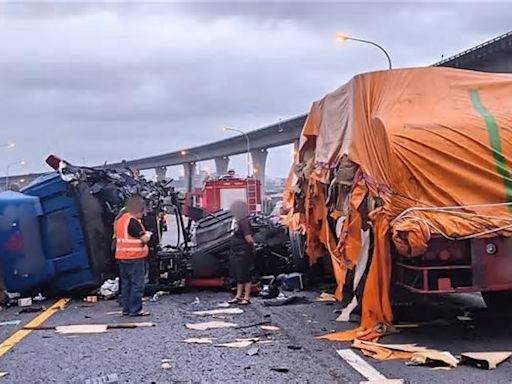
(255, 324)
(166, 364)
(210, 325)
(111, 378)
(31, 310)
(89, 328)
(25, 302)
(39, 297)
(223, 305)
(114, 313)
(269, 328)
(295, 347)
(196, 301)
(221, 311)
(3, 374)
(387, 351)
(253, 351)
(91, 299)
(110, 288)
(236, 344)
(82, 328)
(324, 296)
(433, 358)
(158, 295)
(484, 360)
(280, 369)
(11, 322)
(293, 300)
(199, 340)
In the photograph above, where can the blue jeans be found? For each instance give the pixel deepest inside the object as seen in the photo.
(132, 285)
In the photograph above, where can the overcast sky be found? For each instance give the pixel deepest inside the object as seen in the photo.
(94, 82)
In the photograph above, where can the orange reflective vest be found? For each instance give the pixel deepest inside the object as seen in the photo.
(128, 247)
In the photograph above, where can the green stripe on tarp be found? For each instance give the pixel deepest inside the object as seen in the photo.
(494, 137)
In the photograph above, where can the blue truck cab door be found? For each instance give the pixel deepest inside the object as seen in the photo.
(62, 235)
(23, 262)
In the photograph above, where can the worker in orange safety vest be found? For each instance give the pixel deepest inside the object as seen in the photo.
(131, 252)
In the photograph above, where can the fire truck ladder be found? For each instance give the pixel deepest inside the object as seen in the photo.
(252, 194)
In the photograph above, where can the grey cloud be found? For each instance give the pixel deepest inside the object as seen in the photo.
(114, 81)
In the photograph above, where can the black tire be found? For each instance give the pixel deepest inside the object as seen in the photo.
(498, 300)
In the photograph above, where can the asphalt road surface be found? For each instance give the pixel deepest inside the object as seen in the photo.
(136, 355)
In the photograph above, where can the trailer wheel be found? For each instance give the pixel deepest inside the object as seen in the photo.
(498, 300)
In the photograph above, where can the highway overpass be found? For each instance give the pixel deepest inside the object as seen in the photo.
(494, 55)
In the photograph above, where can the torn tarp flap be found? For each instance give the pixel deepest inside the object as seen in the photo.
(433, 358)
(484, 360)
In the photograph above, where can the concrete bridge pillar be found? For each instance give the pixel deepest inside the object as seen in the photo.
(189, 172)
(259, 162)
(221, 165)
(160, 173)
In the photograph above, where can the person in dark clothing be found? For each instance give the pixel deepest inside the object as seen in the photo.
(131, 252)
(242, 253)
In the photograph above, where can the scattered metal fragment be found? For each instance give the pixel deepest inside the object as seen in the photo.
(236, 344)
(221, 311)
(90, 328)
(166, 365)
(83, 328)
(280, 369)
(295, 347)
(210, 325)
(158, 295)
(39, 297)
(199, 340)
(196, 301)
(253, 351)
(31, 310)
(255, 324)
(111, 378)
(11, 322)
(269, 328)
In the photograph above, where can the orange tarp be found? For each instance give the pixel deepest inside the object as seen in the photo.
(434, 148)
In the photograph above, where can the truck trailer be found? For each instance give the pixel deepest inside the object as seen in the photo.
(402, 179)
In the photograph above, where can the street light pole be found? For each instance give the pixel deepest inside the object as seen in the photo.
(343, 38)
(7, 172)
(248, 147)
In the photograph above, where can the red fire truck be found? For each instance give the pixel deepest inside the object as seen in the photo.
(219, 193)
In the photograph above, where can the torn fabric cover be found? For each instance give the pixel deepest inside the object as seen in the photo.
(421, 139)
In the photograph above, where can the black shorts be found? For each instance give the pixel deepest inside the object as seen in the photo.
(242, 266)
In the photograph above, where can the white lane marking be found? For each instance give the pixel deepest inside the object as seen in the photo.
(361, 366)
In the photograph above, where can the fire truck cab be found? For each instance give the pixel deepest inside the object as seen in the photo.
(219, 193)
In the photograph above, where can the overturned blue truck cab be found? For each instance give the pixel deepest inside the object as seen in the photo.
(53, 238)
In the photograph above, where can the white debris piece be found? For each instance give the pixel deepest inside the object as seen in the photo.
(110, 288)
(222, 311)
(200, 340)
(210, 325)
